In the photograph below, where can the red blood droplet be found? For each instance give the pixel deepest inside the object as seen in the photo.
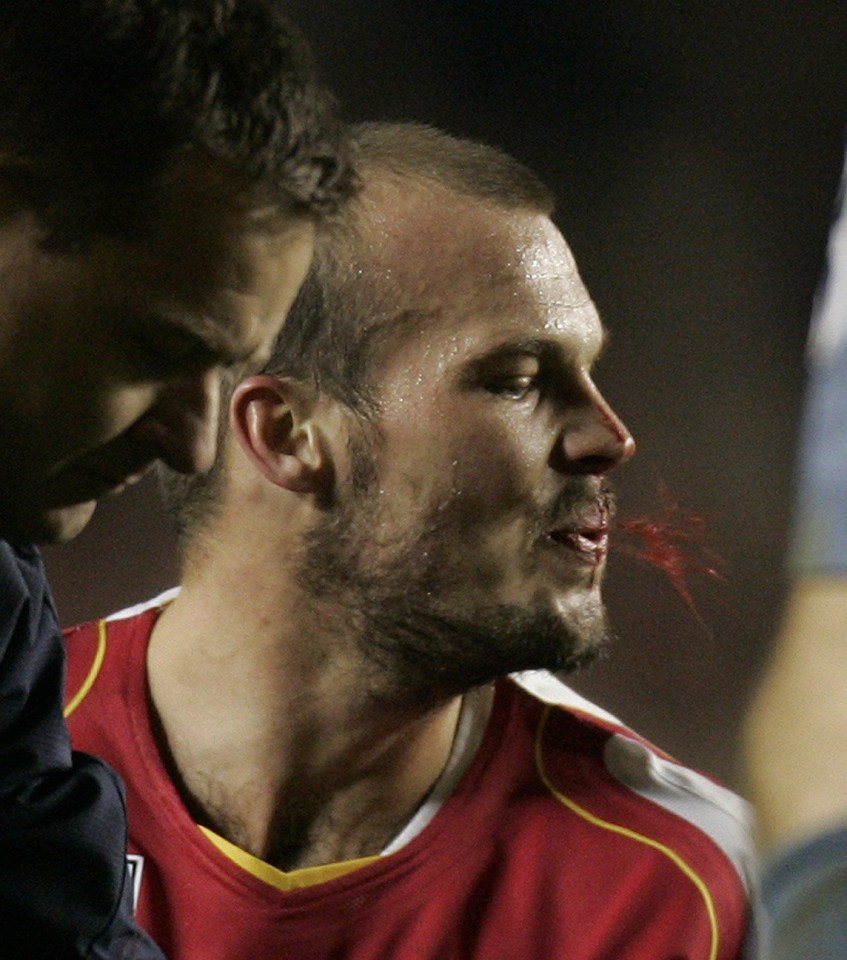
(673, 541)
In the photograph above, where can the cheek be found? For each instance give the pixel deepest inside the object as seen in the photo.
(123, 405)
(104, 408)
(478, 468)
(496, 476)
(486, 472)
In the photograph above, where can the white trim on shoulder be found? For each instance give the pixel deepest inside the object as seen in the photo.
(721, 814)
(158, 601)
(548, 688)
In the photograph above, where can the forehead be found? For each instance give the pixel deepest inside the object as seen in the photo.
(468, 277)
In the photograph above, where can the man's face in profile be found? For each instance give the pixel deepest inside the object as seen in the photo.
(110, 357)
(478, 543)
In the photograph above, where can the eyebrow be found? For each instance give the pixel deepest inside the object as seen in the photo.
(542, 347)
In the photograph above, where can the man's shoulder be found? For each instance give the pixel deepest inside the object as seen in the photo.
(12, 557)
(612, 777)
(23, 583)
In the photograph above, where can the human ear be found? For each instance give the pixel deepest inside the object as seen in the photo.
(276, 421)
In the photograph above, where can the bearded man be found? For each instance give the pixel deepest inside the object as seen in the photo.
(343, 738)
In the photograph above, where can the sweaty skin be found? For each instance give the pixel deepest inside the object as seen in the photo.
(351, 613)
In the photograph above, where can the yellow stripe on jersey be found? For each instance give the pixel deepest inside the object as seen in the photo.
(589, 817)
(282, 880)
(96, 664)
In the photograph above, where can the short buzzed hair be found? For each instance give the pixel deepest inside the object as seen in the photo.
(332, 333)
(329, 335)
(99, 97)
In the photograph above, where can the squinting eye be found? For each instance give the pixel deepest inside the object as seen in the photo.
(513, 388)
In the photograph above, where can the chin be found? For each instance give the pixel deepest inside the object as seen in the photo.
(60, 524)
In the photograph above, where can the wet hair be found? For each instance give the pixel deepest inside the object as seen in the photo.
(99, 97)
(343, 316)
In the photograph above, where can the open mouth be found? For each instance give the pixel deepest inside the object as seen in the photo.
(585, 532)
(589, 543)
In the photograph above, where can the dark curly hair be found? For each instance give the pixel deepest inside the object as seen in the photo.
(99, 97)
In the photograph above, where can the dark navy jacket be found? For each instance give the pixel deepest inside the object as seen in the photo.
(64, 890)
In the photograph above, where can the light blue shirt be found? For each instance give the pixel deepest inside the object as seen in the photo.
(820, 528)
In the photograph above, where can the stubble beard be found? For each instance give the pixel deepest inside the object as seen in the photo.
(416, 636)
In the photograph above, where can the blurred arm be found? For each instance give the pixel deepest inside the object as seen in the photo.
(796, 738)
(796, 730)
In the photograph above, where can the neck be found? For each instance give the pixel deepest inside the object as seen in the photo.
(273, 736)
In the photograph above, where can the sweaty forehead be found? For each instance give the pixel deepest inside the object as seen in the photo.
(457, 261)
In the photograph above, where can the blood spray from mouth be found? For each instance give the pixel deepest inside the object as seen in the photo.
(672, 541)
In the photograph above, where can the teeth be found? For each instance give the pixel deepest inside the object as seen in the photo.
(592, 536)
(587, 543)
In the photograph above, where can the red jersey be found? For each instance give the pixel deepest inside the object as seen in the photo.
(567, 838)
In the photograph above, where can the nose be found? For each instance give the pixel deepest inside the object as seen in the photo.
(594, 439)
(182, 425)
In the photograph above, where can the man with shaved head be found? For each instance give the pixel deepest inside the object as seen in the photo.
(344, 738)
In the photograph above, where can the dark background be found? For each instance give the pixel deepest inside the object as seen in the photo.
(695, 149)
